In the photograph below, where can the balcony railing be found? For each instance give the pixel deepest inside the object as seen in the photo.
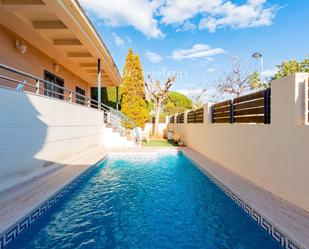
(22, 81)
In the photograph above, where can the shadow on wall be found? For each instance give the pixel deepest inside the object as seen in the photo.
(300, 102)
(22, 135)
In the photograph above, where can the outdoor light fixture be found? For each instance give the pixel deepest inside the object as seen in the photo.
(20, 46)
(259, 56)
(56, 68)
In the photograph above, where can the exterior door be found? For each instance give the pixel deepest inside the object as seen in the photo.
(56, 90)
(80, 99)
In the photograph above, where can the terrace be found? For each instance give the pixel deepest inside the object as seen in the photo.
(245, 160)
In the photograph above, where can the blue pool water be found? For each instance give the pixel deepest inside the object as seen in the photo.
(159, 202)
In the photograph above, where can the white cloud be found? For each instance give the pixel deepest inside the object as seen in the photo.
(199, 94)
(147, 15)
(188, 26)
(197, 51)
(251, 14)
(136, 13)
(219, 13)
(210, 70)
(175, 11)
(190, 92)
(129, 40)
(153, 57)
(118, 40)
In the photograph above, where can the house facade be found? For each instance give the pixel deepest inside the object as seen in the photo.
(52, 61)
(55, 41)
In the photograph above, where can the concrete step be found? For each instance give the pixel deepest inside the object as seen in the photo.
(112, 138)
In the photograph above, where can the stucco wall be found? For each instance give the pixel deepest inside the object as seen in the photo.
(38, 132)
(34, 61)
(149, 127)
(274, 156)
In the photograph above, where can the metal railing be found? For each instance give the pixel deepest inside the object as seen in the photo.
(15, 79)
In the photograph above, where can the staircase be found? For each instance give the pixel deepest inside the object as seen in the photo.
(113, 138)
(116, 132)
(120, 130)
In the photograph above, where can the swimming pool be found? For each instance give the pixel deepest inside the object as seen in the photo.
(145, 202)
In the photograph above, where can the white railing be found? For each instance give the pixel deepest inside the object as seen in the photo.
(22, 81)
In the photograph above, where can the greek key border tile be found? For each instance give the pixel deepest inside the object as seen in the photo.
(8, 236)
(292, 245)
(274, 232)
(14, 231)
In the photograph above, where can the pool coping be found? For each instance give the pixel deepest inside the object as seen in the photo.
(280, 231)
(277, 231)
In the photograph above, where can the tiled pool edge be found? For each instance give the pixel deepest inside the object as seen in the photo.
(285, 241)
(11, 233)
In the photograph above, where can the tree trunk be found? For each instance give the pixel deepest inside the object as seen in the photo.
(156, 132)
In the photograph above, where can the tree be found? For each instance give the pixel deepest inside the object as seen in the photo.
(290, 67)
(176, 103)
(254, 80)
(133, 95)
(238, 80)
(158, 94)
(108, 95)
(198, 98)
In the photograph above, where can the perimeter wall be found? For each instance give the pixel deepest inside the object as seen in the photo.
(273, 156)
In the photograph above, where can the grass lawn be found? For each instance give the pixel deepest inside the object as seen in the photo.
(159, 143)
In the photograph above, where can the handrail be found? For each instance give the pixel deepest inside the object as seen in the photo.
(118, 119)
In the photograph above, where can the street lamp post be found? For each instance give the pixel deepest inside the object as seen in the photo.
(258, 56)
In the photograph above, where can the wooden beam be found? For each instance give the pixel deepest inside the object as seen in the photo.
(79, 54)
(49, 25)
(94, 65)
(250, 119)
(95, 71)
(22, 2)
(102, 77)
(66, 42)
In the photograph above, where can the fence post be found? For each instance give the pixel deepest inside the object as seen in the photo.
(70, 96)
(231, 112)
(213, 114)
(194, 119)
(185, 118)
(267, 106)
(37, 87)
(207, 113)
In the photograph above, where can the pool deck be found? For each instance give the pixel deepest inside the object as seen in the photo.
(19, 200)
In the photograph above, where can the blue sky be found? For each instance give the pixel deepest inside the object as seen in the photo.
(197, 39)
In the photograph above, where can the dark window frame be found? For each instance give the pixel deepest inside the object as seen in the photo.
(80, 99)
(52, 90)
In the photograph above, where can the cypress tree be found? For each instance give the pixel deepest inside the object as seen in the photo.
(133, 102)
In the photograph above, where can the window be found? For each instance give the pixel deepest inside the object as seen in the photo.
(53, 90)
(80, 99)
